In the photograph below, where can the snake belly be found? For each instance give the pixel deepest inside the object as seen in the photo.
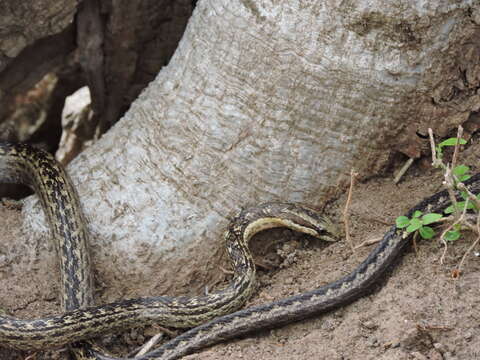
(20, 163)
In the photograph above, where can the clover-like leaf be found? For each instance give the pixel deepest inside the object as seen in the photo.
(417, 214)
(452, 142)
(461, 170)
(415, 224)
(452, 235)
(460, 206)
(402, 222)
(426, 232)
(431, 218)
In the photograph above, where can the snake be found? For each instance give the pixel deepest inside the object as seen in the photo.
(81, 319)
(210, 318)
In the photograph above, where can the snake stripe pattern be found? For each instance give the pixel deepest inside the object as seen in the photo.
(39, 170)
(211, 314)
(21, 163)
(358, 283)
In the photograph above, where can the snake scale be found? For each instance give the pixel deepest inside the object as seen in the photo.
(211, 318)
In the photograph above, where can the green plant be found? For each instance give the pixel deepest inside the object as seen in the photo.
(419, 222)
(461, 204)
(453, 234)
(454, 178)
(447, 142)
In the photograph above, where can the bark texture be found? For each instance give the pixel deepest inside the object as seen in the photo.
(262, 101)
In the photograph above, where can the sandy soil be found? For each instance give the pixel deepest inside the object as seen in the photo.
(418, 313)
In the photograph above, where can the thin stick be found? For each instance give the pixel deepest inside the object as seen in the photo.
(470, 249)
(403, 170)
(368, 242)
(227, 272)
(449, 182)
(435, 161)
(414, 240)
(149, 344)
(471, 196)
(450, 185)
(346, 217)
(457, 145)
(442, 237)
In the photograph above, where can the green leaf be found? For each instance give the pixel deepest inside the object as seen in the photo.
(461, 170)
(415, 224)
(402, 221)
(470, 205)
(431, 218)
(426, 232)
(464, 178)
(452, 235)
(464, 195)
(417, 214)
(449, 209)
(452, 142)
(460, 206)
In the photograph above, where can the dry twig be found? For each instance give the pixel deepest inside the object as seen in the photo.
(346, 211)
(149, 344)
(435, 161)
(368, 242)
(403, 170)
(471, 247)
(457, 146)
(461, 219)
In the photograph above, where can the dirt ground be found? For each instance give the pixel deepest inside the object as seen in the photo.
(419, 312)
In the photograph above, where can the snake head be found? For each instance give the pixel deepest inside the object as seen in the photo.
(328, 231)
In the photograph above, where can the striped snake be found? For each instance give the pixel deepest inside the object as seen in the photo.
(210, 317)
(39, 170)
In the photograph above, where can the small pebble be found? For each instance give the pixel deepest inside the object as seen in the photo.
(373, 342)
(440, 347)
(369, 325)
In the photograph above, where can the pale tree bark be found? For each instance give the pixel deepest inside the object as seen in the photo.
(267, 101)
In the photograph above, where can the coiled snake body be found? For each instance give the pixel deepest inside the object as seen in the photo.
(205, 314)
